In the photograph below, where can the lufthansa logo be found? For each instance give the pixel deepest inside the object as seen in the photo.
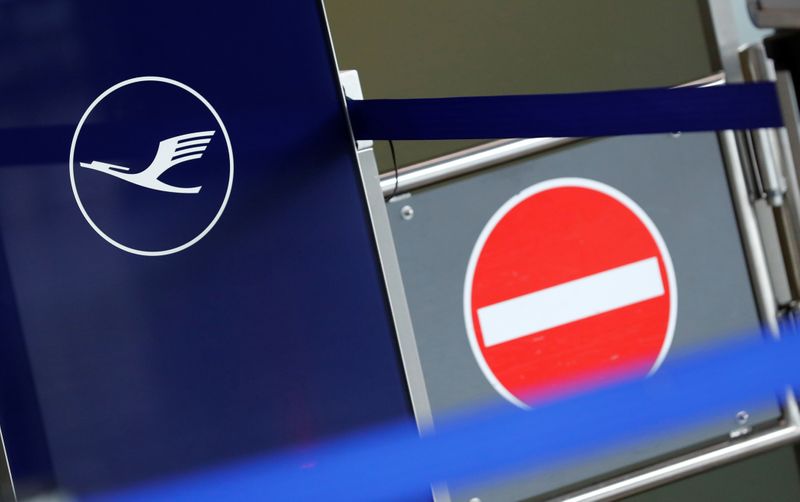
(151, 166)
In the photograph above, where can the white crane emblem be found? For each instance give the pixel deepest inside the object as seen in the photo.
(171, 152)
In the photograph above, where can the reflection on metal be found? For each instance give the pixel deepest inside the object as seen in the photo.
(485, 156)
(766, 142)
(466, 161)
(732, 28)
(742, 418)
(387, 255)
(7, 490)
(775, 13)
(775, 161)
(790, 148)
(395, 291)
(693, 463)
(751, 237)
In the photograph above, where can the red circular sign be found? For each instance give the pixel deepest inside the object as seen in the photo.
(570, 280)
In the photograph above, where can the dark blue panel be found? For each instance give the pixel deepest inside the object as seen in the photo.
(271, 330)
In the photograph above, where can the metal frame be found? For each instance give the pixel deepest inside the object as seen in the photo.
(492, 154)
(687, 465)
(7, 490)
(387, 255)
(789, 145)
(775, 13)
(751, 236)
(484, 156)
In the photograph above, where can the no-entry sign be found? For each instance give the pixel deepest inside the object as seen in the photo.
(569, 279)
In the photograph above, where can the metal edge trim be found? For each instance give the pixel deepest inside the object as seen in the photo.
(788, 18)
(789, 151)
(687, 465)
(751, 237)
(401, 314)
(5, 470)
(487, 155)
(390, 269)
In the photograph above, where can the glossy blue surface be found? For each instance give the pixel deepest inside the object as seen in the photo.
(269, 332)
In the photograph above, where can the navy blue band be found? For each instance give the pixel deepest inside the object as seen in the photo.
(613, 113)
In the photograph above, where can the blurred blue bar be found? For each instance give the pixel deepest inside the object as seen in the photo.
(393, 463)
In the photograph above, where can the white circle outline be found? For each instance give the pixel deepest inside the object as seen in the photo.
(521, 197)
(86, 114)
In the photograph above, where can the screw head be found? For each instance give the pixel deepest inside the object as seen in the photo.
(407, 212)
(742, 417)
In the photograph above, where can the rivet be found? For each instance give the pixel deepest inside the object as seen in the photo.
(742, 417)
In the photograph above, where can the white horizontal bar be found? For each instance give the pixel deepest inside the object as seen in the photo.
(570, 301)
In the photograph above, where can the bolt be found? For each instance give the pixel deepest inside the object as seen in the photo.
(742, 417)
(676, 134)
(407, 212)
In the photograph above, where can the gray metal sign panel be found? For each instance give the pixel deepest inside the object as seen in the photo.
(679, 181)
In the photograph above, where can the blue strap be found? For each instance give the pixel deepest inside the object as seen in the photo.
(614, 113)
(392, 463)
